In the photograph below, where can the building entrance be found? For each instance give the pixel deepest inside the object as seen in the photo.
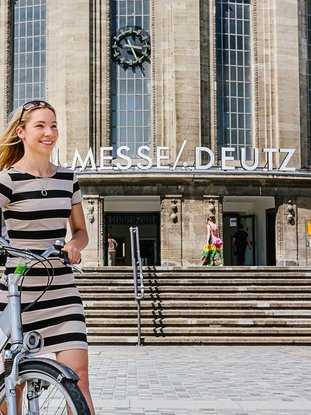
(231, 224)
(251, 213)
(118, 224)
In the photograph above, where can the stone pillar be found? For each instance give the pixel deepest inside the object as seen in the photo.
(213, 206)
(286, 232)
(5, 59)
(94, 252)
(304, 243)
(275, 55)
(193, 231)
(171, 230)
(176, 71)
(68, 73)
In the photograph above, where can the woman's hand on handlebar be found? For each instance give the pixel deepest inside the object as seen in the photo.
(73, 252)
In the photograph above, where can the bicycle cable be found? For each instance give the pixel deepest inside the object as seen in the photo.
(49, 282)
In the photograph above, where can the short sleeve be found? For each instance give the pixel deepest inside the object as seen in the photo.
(76, 195)
(5, 189)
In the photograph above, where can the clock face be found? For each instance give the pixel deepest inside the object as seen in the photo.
(131, 46)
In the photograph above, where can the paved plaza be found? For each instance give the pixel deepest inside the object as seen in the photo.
(193, 380)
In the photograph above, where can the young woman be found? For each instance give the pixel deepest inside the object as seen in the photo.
(38, 199)
(211, 254)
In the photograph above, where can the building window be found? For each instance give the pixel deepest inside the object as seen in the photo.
(308, 20)
(233, 60)
(130, 82)
(29, 51)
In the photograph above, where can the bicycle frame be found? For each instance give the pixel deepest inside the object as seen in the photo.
(11, 330)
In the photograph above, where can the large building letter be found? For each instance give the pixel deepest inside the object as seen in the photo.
(89, 158)
(243, 159)
(225, 158)
(198, 158)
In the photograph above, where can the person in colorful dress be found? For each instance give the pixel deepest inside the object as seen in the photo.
(211, 255)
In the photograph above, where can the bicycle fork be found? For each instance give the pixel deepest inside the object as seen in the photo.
(13, 355)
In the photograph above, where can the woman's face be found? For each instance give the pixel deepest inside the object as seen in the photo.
(40, 132)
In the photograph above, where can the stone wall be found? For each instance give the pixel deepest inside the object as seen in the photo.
(5, 63)
(68, 87)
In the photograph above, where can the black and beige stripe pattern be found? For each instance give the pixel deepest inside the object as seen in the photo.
(35, 221)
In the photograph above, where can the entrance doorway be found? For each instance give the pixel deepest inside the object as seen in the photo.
(231, 223)
(251, 212)
(119, 223)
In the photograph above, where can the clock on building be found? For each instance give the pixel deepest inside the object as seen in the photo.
(131, 46)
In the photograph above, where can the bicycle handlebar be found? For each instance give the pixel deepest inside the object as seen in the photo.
(56, 249)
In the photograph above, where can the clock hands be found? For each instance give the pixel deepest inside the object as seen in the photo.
(135, 42)
(132, 47)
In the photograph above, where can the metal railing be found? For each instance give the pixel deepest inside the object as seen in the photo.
(138, 287)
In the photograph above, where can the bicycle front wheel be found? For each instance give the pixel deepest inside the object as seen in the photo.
(46, 392)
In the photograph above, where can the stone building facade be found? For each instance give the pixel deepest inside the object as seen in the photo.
(210, 115)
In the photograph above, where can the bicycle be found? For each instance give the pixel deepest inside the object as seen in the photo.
(48, 387)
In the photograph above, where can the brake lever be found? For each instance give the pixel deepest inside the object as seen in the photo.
(65, 260)
(75, 268)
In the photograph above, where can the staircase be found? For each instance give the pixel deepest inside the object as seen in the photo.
(227, 305)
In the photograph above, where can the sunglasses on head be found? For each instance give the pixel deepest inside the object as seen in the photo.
(34, 104)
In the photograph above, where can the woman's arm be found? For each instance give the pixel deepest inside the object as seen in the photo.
(208, 233)
(79, 239)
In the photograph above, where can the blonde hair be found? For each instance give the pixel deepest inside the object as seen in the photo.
(11, 146)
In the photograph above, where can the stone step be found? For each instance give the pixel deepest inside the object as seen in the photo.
(96, 290)
(198, 321)
(198, 313)
(198, 282)
(195, 269)
(230, 305)
(200, 296)
(206, 331)
(199, 273)
(219, 340)
(225, 304)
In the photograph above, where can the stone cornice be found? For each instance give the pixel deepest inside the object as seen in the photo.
(298, 182)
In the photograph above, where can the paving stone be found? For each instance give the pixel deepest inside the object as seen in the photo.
(196, 380)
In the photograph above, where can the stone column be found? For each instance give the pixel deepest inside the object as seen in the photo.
(99, 74)
(213, 206)
(286, 232)
(176, 70)
(193, 231)
(171, 230)
(93, 255)
(6, 45)
(68, 73)
(304, 242)
(275, 56)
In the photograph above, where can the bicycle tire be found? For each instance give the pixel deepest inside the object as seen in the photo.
(54, 392)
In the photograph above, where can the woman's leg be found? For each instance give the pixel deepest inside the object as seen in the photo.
(77, 360)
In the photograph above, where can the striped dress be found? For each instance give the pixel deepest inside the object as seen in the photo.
(35, 221)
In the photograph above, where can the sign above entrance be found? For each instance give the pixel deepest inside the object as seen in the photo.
(204, 159)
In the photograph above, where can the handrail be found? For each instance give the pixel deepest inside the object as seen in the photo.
(136, 263)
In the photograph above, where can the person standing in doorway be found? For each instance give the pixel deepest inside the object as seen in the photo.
(112, 250)
(211, 254)
(239, 242)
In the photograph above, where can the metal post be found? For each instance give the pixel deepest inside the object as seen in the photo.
(136, 263)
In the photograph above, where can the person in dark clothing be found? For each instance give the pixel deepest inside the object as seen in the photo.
(239, 242)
